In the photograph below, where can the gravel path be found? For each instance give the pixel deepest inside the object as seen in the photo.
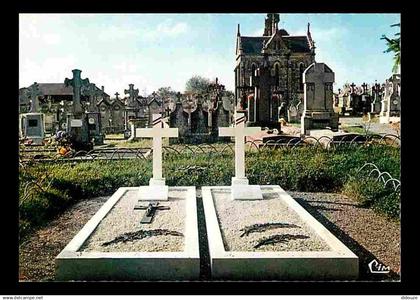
(37, 253)
(369, 235)
(373, 127)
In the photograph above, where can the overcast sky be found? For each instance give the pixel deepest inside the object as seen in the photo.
(155, 50)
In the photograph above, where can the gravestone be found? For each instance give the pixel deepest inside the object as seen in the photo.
(32, 124)
(294, 112)
(93, 115)
(134, 236)
(391, 102)
(262, 233)
(157, 189)
(179, 119)
(131, 109)
(376, 95)
(264, 107)
(318, 111)
(77, 123)
(240, 184)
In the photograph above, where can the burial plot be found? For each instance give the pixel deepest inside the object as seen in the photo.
(32, 125)
(77, 124)
(269, 236)
(318, 111)
(146, 233)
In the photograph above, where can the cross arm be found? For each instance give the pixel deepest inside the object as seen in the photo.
(68, 82)
(251, 130)
(238, 131)
(227, 131)
(85, 81)
(157, 132)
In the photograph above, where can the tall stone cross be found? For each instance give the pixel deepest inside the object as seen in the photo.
(364, 87)
(116, 95)
(262, 81)
(33, 93)
(241, 190)
(352, 88)
(76, 82)
(133, 94)
(157, 190)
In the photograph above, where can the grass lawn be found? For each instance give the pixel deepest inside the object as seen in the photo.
(45, 189)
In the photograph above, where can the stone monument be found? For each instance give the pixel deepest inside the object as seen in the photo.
(77, 125)
(263, 107)
(93, 115)
(262, 233)
(318, 112)
(32, 124)
(133, 236)
(391, 102)
(240, 185)
(157, 189)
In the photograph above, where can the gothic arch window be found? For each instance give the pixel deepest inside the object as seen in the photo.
(301, 70)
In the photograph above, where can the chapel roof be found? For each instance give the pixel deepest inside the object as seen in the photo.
(252, 45)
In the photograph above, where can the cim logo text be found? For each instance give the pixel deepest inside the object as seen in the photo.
(377, 268)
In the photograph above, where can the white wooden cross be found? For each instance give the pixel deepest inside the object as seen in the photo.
(241, 190)
(157, 190)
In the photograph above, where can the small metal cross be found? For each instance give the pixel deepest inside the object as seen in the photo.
(151, 209)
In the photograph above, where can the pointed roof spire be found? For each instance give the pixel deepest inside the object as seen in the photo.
(310, 40)
(238, 32)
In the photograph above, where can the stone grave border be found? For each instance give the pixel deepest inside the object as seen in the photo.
(72, 264)
(338, 264)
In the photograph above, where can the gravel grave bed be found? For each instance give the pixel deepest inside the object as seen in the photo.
(235, 216)
(122, 219)
(368, 234)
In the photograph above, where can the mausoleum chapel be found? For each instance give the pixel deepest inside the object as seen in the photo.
(273, 62)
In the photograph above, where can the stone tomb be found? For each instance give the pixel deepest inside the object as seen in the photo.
(271, 239)
(262, 233)
(168, 249)
(146, 233)
(32, 127)
(318, 111)
(32, 124)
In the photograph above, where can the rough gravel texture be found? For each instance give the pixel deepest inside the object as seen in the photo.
(123, 219)
(365, 232)
(38, 251)
(236, 215)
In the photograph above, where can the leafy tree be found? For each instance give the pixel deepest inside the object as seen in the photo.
(197, 84)
(166, 92)
(394, 45)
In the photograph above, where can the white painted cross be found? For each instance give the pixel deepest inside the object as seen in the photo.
(157, 190)
(241, 190)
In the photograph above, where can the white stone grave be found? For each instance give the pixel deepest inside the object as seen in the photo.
(241, 189)
(134, 236)
(312, 253)
(262, 233)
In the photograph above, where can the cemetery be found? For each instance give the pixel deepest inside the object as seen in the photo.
(282, 179)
